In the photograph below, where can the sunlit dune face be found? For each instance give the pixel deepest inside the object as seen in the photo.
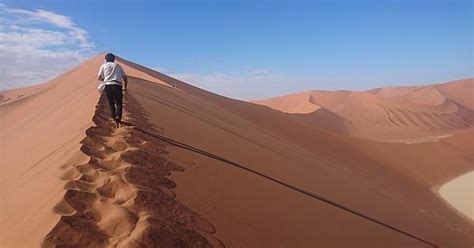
(459, 192)
(414, 113)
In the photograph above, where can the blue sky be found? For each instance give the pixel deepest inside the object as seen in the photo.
(251, 50)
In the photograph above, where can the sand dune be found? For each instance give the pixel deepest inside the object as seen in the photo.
(460, 91)
(301, 103)
(121, 197)
(388, 114)
(192, 168)
(39, 135)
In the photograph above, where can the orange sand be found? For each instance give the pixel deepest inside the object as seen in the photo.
(386, 114)
(192, 168)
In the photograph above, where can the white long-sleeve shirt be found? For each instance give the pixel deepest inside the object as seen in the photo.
(112, 73)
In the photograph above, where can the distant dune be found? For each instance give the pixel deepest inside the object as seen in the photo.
(190, 168)
(394, 114)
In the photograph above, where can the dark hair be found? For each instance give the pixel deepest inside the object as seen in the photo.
(109, 57)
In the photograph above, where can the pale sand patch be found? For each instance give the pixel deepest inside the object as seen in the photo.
(459, 192)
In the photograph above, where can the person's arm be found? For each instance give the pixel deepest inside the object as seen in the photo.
(101, 73)
(125, 82)
(125, 79)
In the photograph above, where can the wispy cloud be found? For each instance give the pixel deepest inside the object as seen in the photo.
(36, 45)
(250, 84)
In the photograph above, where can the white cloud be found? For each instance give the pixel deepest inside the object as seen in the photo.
(38, 45)
(246, 85)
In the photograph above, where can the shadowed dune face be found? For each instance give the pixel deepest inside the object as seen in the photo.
(192, 168)
(396, 114)
(308, 158)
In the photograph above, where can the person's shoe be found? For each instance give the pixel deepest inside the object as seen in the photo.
(117, 124)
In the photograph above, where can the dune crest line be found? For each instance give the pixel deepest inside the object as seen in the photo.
(122, 197)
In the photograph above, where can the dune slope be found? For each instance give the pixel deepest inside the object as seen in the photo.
(40, 133)
(397, 114)
(192, 168)
(257, 129)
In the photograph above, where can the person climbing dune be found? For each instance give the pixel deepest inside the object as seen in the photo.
(114, 79)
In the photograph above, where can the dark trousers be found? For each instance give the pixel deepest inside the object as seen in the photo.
(114, 95)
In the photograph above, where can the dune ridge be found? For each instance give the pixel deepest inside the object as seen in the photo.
(83, 182)
(122, 196)
(39, 134)
(387, 114)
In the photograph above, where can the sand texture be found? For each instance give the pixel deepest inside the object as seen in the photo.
(189, 168)
(395, 114)
(458, 192)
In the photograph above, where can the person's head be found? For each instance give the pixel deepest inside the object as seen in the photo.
(109, 57)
